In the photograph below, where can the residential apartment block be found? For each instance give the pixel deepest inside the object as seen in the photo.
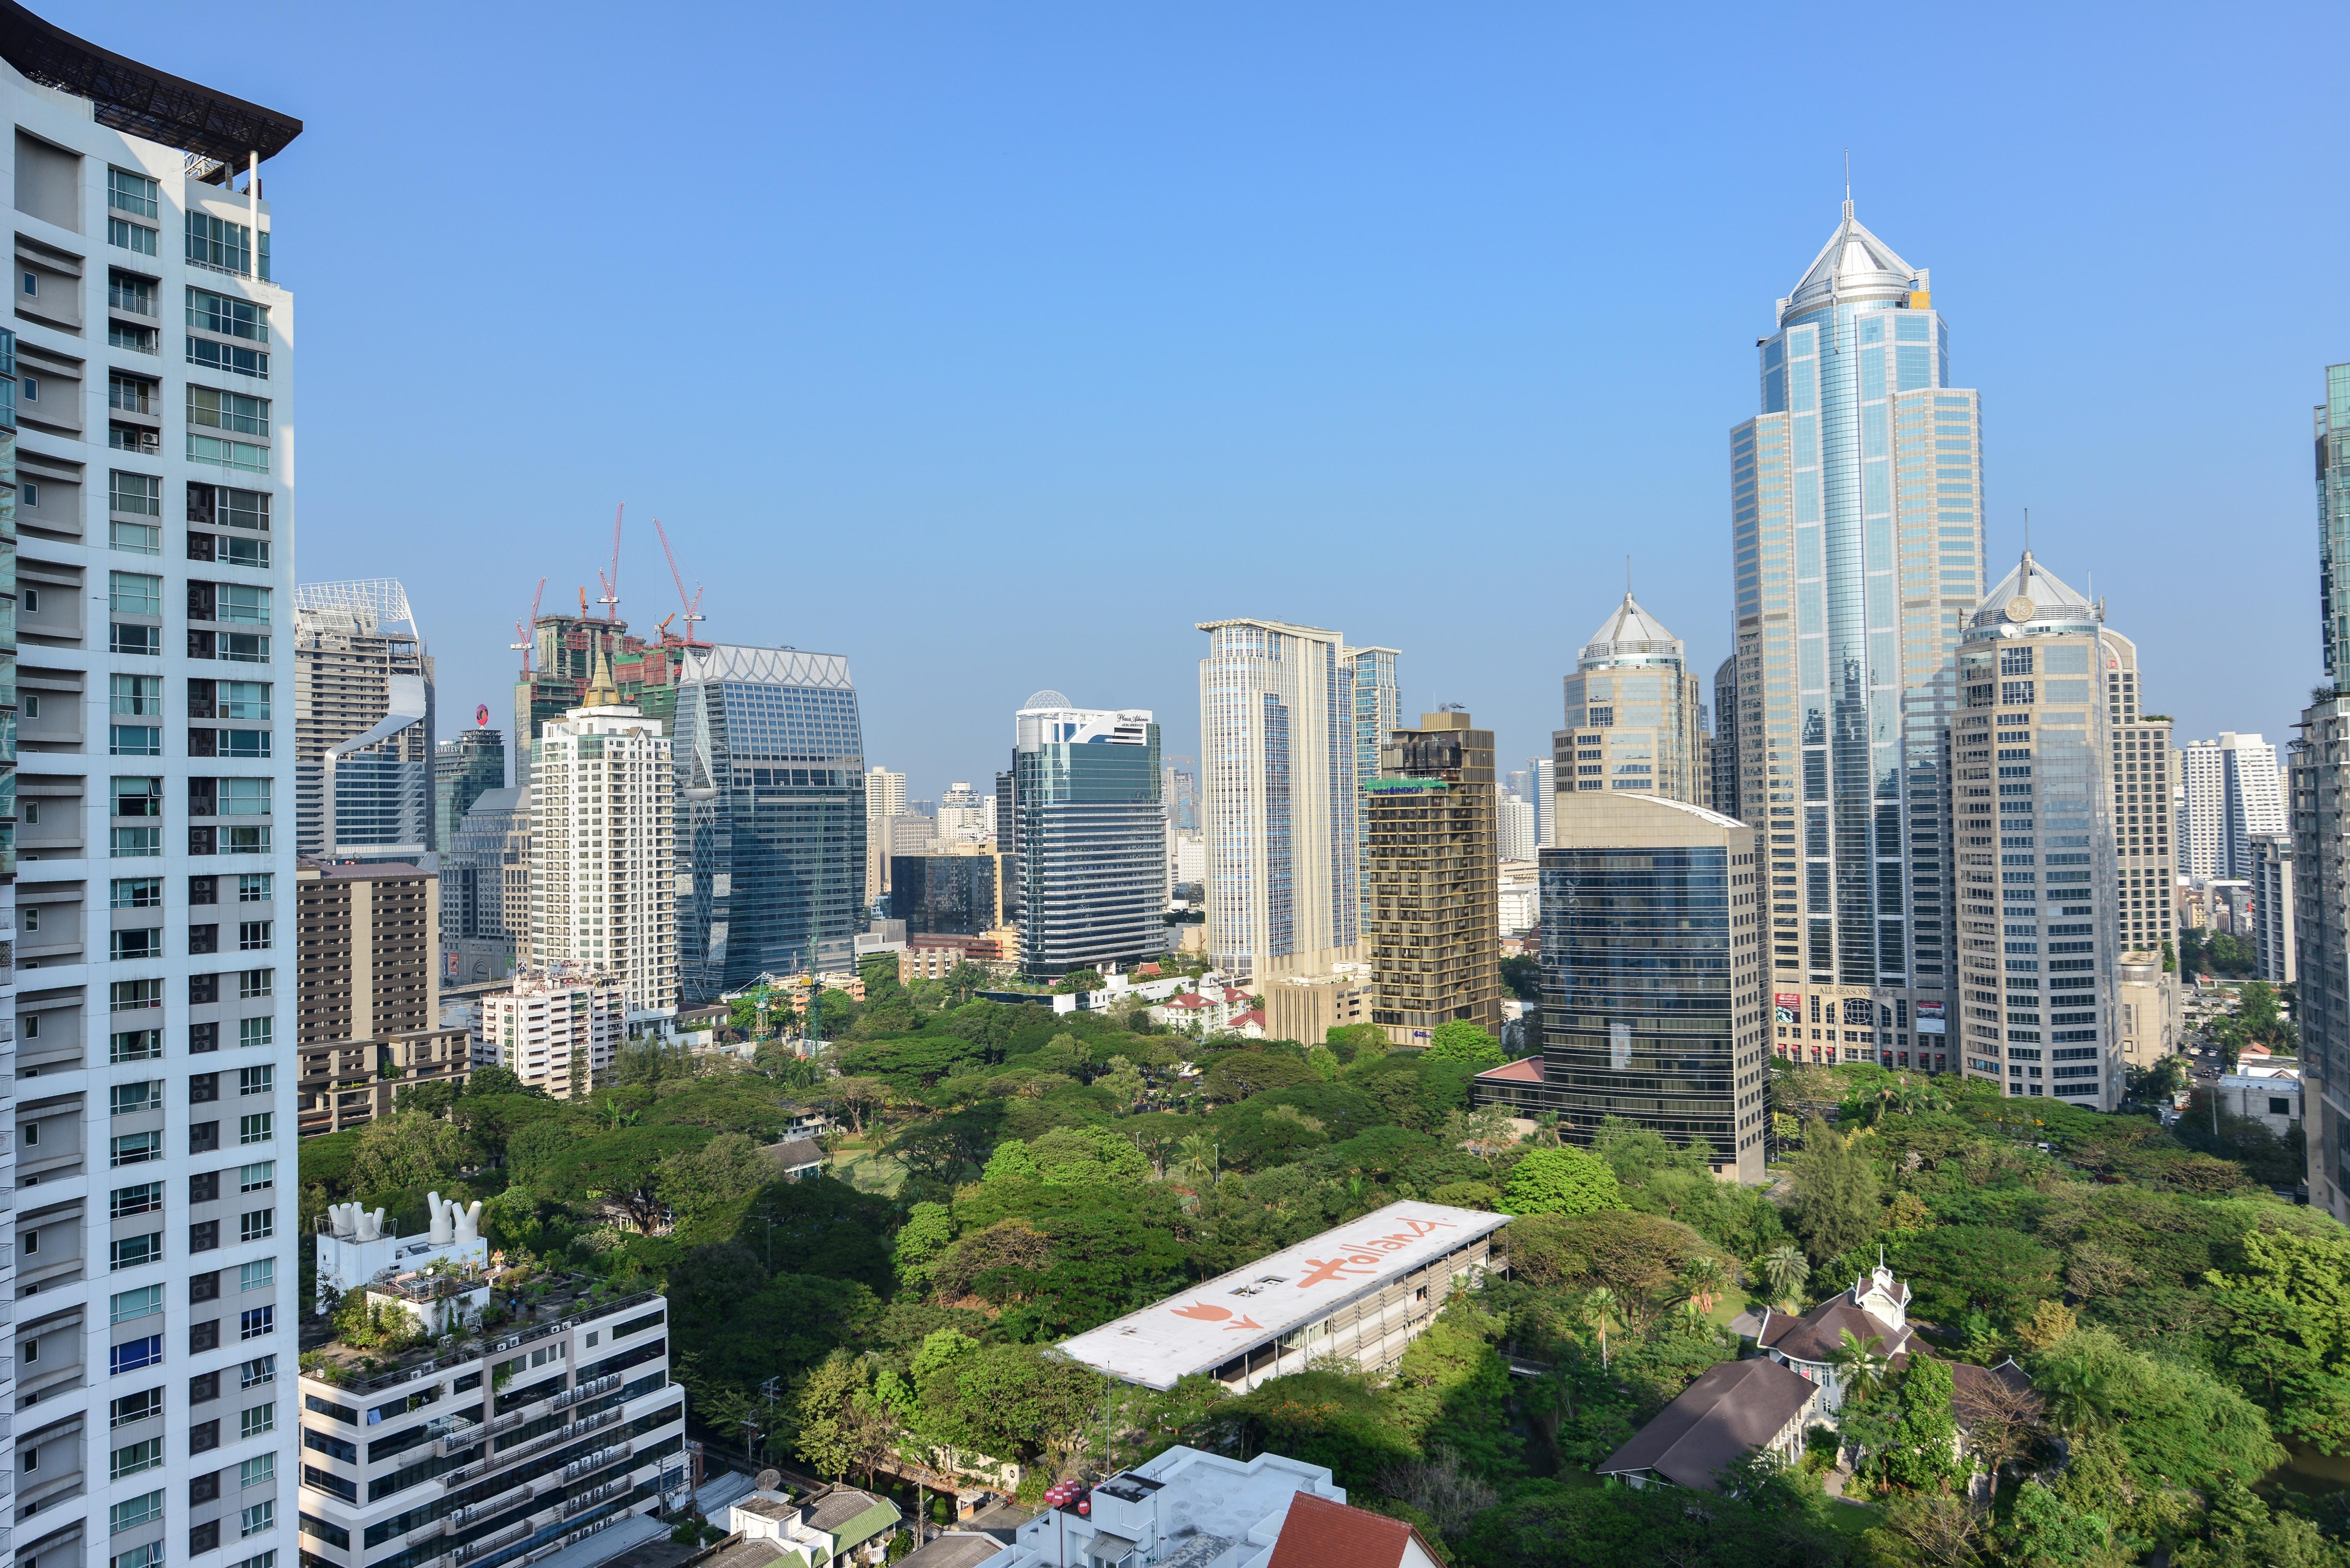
(1434, 941)
(558, 1029)
(152, 1175)
(367, 1003)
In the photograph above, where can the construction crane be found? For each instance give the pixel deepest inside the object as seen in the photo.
(693, 605)
(523, 634)
(612, 599)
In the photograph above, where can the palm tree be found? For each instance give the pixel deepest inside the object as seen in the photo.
(1546, 1134)
(1860, 1365)
(1199, 1156)
(1598, 1306)
(2079, 1395)
(1785, 1268)
(1705, 1280)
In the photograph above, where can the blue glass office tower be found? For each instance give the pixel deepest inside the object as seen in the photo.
(1093, 839)
(1856, 530)
(770, 816)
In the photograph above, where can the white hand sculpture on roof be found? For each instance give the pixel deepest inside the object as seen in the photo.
(469, 1220)
(370, 1225)
(442, 1231)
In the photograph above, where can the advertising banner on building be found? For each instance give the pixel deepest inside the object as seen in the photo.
(1788, 1005)
(1931, 1019)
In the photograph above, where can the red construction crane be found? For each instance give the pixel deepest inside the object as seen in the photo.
(523, 634)
(693, 605)
(612, 599)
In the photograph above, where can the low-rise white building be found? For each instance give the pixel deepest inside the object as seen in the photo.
(835, 1524)
(2269, 1095)
(550, 1023)
(1185, 1509)
(1521, 891)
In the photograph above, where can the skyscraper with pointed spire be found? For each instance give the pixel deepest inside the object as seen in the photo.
(1856, 529)
(1634, 713)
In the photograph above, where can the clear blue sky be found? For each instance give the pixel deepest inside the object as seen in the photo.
(994, 346)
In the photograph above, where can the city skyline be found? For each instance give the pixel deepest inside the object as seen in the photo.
(1208, 345)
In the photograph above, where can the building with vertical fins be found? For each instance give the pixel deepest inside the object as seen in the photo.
(146, 491)
(1723, 758)
(1856, 531)
(486, 890)
(1634, 714)
(1279, 766)
(363, 724)
(1432, 880)
(1379, 714)
(771, 816)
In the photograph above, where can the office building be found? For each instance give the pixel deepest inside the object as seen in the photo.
(2272, 907)
(1280, 783)
(1093, 839)
(2233, 794)
(462, 770)
(1543, 792)
(1434, 942)
(152, 1165)
(1723, 756)
(947, 894)
(602, 900)
(771, 838)
(557, 1028)
(1180, 786)
(561, 660)
(1653, 987)
(558, 1426)
(885, 800)
(1379, 714)
(362, 723)
(2145, 995)
(1633, 715)
(1516, 829)
(1856, 533)
(2321, 826)
(1007, 834)
(486, 890)
(366, 1020)
(2033, 751)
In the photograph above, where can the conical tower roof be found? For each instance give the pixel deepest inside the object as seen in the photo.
(2030, 591)
(1630, 633)
(602, 691)
(1855, 264)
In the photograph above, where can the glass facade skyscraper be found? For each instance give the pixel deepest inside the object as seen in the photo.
(1856, 531)
(1093, 839)
(770, 816)
(462, 770)
(1379, 714)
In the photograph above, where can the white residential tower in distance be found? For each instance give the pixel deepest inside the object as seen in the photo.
(2233, 795)
(602, 894)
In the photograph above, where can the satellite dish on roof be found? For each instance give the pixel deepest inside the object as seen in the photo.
(1047, 698)
(768, 1480)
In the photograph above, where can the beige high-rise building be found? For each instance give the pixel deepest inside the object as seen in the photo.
(1431, 880)
(1634, 715)
(1276, 726)
(602, 892)
(2145, 995)
(885, 800)
(2055, 839)
(367, 1014)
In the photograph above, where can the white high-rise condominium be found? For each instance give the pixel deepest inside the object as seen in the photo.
(1543, 786)
(153, 1269)
(1277, 737)
(885, 797)
(363, 724)
(2233, 795)
(963, 815)
(1516, 828)
(1856, 533)
(602, 893)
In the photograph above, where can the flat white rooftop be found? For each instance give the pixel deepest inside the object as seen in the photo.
(1204, 1327)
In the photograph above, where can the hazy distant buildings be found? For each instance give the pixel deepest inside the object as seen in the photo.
(1542, 790)
(772, 862)
(1092, 836)
(1278, 739)
(963, 815)
(603, 900)
(363, 724)
(884, 798)
(2233, 794)
(1633, 713)
(486, 890)
(1434, 941)
(1379, 714)
(1515, 827)
(1653, 991)
(462, 770)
